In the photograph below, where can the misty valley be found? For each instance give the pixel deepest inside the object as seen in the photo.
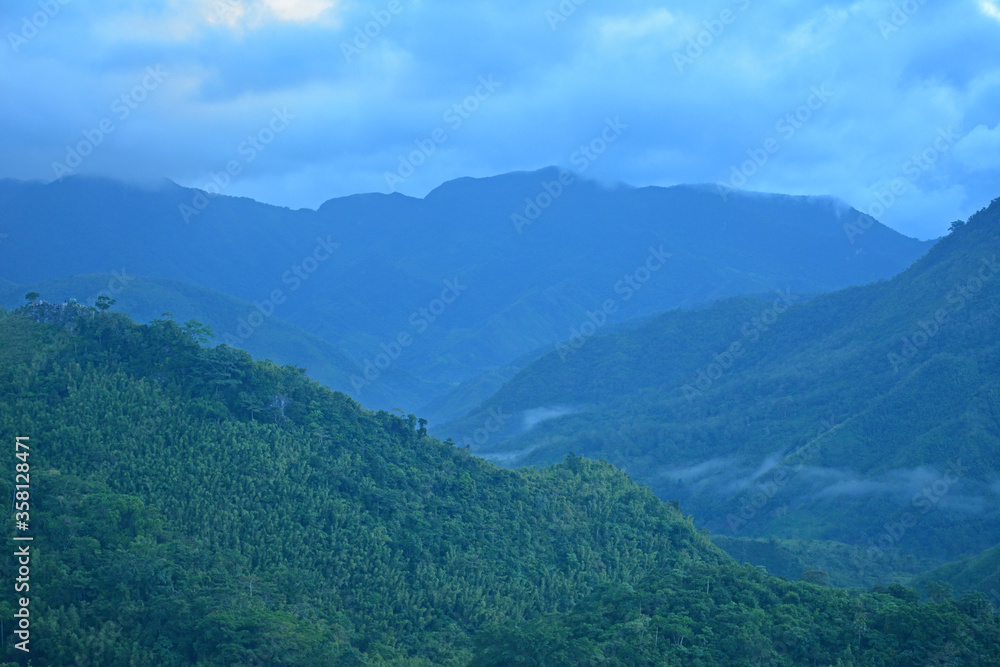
(423, 444)
(543, 333)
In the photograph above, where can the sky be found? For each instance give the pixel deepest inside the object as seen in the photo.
(894, 107)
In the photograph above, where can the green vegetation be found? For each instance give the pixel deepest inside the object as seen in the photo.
(791, 559)
(741, 616)
(976, 573)
(193, 506)
(273, 338)
(362, 269)
(238, 509)
(828, 419)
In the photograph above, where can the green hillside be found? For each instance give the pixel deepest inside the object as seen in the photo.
(233, 321)
(790, 559)
(741, 616)
(470, 288)
(192, 506)
(976, 573)
(869, 416)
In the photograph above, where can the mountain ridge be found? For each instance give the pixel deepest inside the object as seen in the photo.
(361, 266)
(192, 506)
(898, 381)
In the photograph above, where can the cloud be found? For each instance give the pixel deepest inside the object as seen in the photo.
(535, 416)
(990, 8)
(625, 29)
(697, 472)
(980, 149)
(232, 61)
(299, 10)
(258, 14)
(901, 486)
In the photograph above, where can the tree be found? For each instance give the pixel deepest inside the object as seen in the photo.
(31, 297)
(104, 302)
(938, 591)
(818, 577)
(200, 333)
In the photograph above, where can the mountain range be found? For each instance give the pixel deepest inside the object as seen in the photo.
(820, 392)
(189, 505)
(868, 416)
(430, 304)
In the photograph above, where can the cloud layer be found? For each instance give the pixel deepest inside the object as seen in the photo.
(842, 98)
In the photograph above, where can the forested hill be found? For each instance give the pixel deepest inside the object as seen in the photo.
(791, 417)
(980, 572)
(469, 286)
(232, 320)
(192, 506)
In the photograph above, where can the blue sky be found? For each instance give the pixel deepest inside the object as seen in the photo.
(888, 105)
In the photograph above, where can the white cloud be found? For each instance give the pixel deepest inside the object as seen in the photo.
(230, 61)
(536, 416)
(626, 28)
(990, 8)
(980, 148)
(299, 10)
(255, 14)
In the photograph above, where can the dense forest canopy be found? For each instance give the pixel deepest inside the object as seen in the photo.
(824, 418)
(194, 506)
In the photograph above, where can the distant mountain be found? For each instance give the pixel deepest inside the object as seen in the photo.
(792, 559)
(463, 282)
(231, 320)
(979, 573)
(191, 506)
(869, 416)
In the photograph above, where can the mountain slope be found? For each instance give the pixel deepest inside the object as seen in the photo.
(791, 559)
(191, 506)
(234, 322)
(457, 276)
(682, 618)
(282, 498)
(828, 418)
(976, 573)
